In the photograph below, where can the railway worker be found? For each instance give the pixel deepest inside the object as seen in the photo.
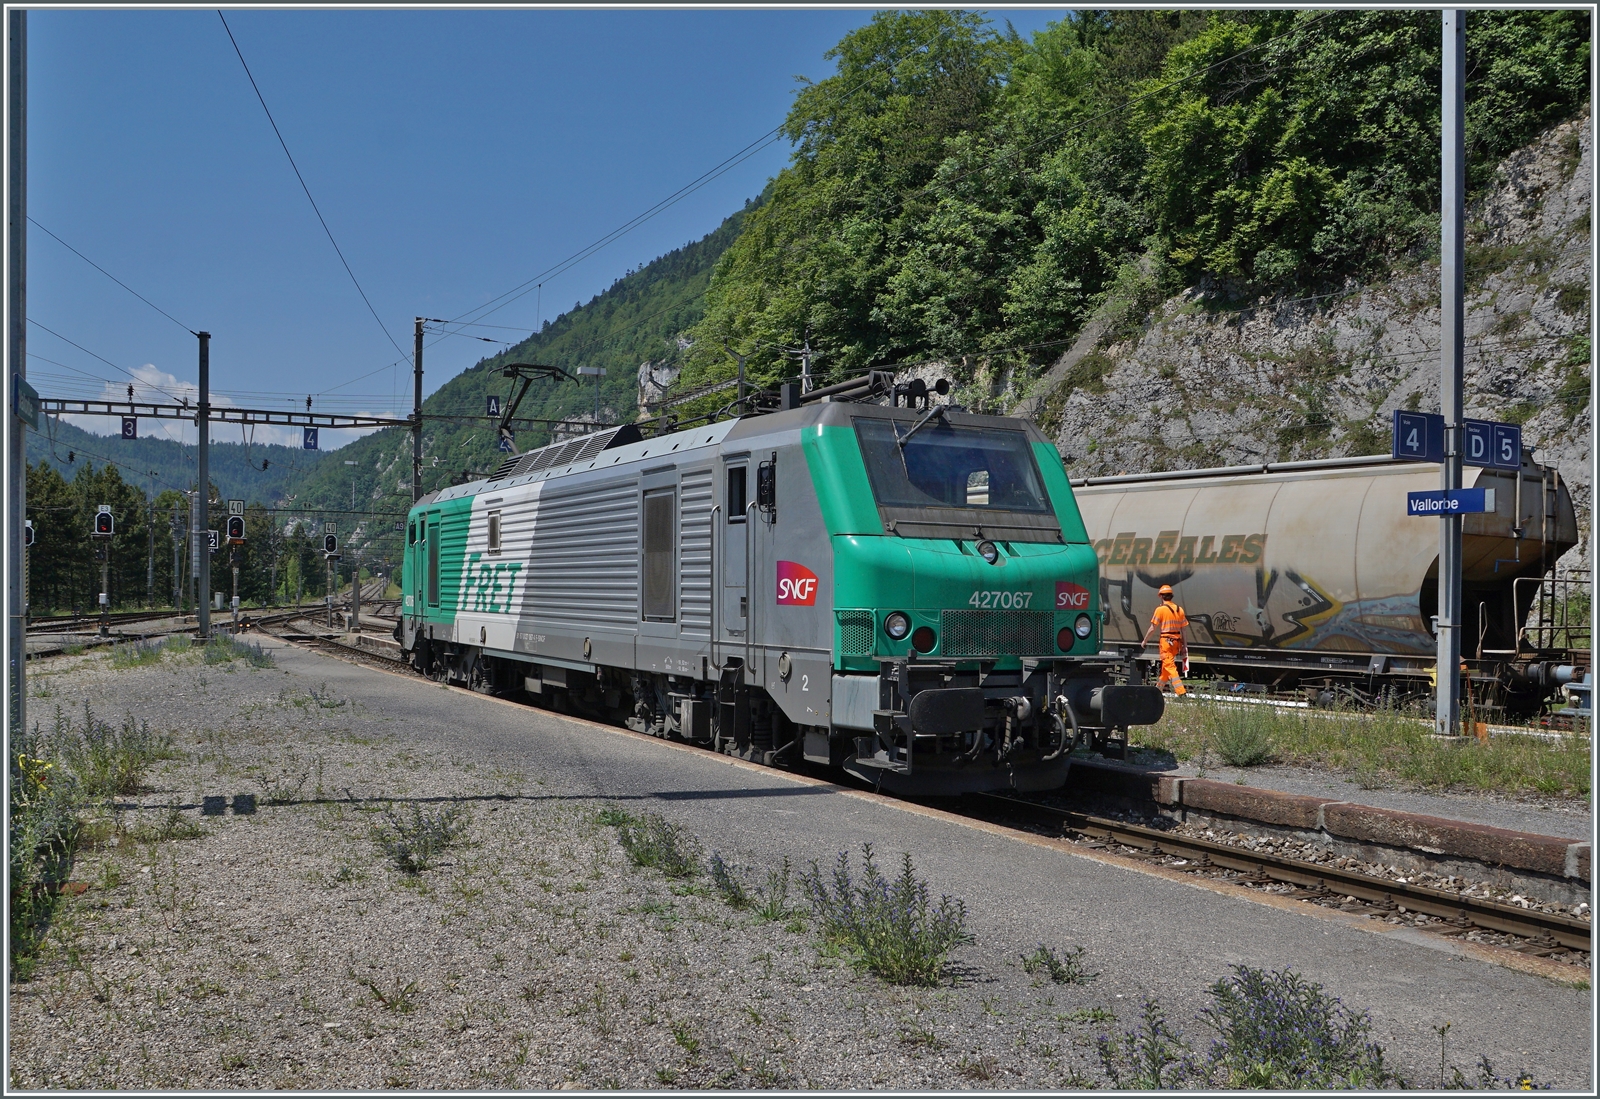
(1170, 620)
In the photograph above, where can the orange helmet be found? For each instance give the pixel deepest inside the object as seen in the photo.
(1165, 589)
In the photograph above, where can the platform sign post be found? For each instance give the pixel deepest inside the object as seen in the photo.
(1452, 317)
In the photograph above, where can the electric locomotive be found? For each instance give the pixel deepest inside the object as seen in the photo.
(903, 590)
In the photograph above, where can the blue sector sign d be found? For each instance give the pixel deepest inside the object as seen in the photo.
(1418, 437)
(1452, 501)
(308, 438)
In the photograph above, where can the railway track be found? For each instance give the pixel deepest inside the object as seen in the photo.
(1541, 934)
(1545, 933)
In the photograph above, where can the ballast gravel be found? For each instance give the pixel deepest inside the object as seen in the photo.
(282, 948)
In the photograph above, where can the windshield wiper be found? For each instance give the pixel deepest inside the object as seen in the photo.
(936, 410)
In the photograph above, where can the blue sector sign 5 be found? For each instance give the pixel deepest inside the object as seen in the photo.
(1453, 501)
(1507, 446)
(1418, 437)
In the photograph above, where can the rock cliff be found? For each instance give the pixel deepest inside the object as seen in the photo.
(1186, 384)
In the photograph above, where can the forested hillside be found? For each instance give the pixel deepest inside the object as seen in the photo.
(958, 193)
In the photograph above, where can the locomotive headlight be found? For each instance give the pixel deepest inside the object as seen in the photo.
(1083, 626)
(897, 625)
(988, 551)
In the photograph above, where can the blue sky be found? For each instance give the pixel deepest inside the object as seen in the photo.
(454, 154)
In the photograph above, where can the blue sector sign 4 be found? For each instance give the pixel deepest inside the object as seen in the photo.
(1453, 501)
(1418, 437)
(308, 438)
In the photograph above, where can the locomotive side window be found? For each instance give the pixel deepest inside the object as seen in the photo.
(494, 532)
(411, 533)
(736, 500)
(432, 539)
(657, 597)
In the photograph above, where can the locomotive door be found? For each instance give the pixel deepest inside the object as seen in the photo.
(735, 548)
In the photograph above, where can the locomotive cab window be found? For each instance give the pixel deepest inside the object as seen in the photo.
(736, 496)
(411, 534)
(946, 466)
(494, 532)
(658, 599)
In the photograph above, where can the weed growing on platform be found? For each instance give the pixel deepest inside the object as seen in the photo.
(174, 824)
(1277, 1030)
(1151, 1056)
(137, 654)
(107, 760)
(655, 841)
(413, 843)
(1451, 1078)
(42, 832)
(1066, 970)
(224, 649)
(892, 928)
(775, 897)
(727, 884)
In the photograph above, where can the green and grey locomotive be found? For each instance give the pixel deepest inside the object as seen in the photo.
(905, 592)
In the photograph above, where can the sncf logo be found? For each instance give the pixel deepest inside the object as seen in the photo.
(797, 585)
(1071, 597)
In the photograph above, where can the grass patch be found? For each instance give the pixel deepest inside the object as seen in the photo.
(654, 841)
(1067, 970)
(412, 843)
(891, 927)
(1385, 748)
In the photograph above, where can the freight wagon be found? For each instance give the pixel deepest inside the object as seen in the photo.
(905, 592)
(1311, 576)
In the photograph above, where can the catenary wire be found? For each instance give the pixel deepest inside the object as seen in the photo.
(112, 277)
(339, 251)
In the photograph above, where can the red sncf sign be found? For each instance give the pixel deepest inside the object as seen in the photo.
(797, 585)
(1071, 597)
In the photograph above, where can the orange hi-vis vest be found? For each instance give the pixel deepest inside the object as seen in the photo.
(1171, 619)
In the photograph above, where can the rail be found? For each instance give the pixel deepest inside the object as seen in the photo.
(1546, 931)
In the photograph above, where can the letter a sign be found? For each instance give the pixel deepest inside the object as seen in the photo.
(494, 405)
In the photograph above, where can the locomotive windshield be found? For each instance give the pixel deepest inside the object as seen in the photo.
(946, 466)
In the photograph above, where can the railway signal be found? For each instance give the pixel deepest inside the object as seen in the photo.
(236, 530)
(104, 524)
(330, 545)
(27, 533)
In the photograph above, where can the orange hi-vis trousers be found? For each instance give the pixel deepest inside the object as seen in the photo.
(1172, 650)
